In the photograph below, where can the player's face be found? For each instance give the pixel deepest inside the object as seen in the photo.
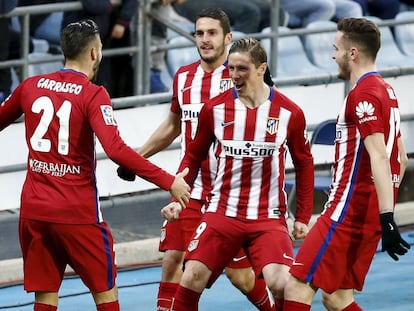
(244, 73)
(210, 39)
(341, 57)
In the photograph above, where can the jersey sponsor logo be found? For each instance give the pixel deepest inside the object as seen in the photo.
(272, 125)
(108, 114)
(225, 84)
(57, 86)
(249, 149)
(193, 245)
(365, 111)
(53, 169)
(190, 112)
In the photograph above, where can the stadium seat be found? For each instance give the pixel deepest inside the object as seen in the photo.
(186, 26)
(323, 136)
(389, 55)
(177, 57)
(319, 46)
(44, 67)
(291, 58)
(404, 34)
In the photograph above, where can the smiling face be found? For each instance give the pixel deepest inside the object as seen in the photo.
(211, 40)
(244, 73)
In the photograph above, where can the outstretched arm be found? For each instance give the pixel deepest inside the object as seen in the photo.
(392, 242)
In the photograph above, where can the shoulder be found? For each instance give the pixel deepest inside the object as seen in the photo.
(189, 67)
(285, 102)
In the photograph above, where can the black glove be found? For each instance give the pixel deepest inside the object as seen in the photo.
(125, 174)
(391, 238)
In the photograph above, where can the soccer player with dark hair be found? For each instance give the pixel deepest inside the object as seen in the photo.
(60, 218)
(370, 161)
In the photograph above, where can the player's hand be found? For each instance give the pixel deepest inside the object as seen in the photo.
(171, 211)
(180, 190)
(125, 174)
(391, 238)
(300, 230)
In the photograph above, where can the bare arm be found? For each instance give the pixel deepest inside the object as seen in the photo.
(381, 171)
(403, 158)
(163, 136)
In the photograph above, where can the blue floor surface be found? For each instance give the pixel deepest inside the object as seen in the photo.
(389, 286)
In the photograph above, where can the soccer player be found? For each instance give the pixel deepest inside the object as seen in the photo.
(194, 85)
(60, 219)
(370, 160)
(253, 125)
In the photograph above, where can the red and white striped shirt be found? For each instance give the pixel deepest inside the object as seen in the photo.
(370, 107)
(251, 151)
(192, 87)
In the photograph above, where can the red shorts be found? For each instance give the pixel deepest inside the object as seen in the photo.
(240, 261)
(48, 247)
(334, 256)
(218, 239)
(175, 235)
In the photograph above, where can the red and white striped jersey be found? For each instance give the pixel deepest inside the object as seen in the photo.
(63, 111)
(251, 151)
(192, 87)
(370, 107)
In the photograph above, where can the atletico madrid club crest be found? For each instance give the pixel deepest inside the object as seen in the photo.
(272, 125)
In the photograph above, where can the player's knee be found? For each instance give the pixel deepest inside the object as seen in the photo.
(172, 266)
(195, 276)
(106, 296)
(172, 261)
(331, 302)
(243, 279)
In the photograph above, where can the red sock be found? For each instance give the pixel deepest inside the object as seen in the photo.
(108, 306)
(185, 300)
(289, 305)
(44, 307)
(279, 304)
(166, 292)
(259, 296)
(353, 307)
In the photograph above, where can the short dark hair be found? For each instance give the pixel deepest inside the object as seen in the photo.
(363, 33)
(76, 36)
(218, 14)
(253, 47)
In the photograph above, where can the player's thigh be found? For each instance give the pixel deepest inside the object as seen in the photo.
(215, 232)
(43, 256)
(91, 252)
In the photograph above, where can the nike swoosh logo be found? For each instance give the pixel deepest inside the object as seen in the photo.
(288, 257)
(187, 88)
(236, 259)
(294, 263)
(224, 124)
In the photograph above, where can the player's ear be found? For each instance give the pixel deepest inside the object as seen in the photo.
(93, 53)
